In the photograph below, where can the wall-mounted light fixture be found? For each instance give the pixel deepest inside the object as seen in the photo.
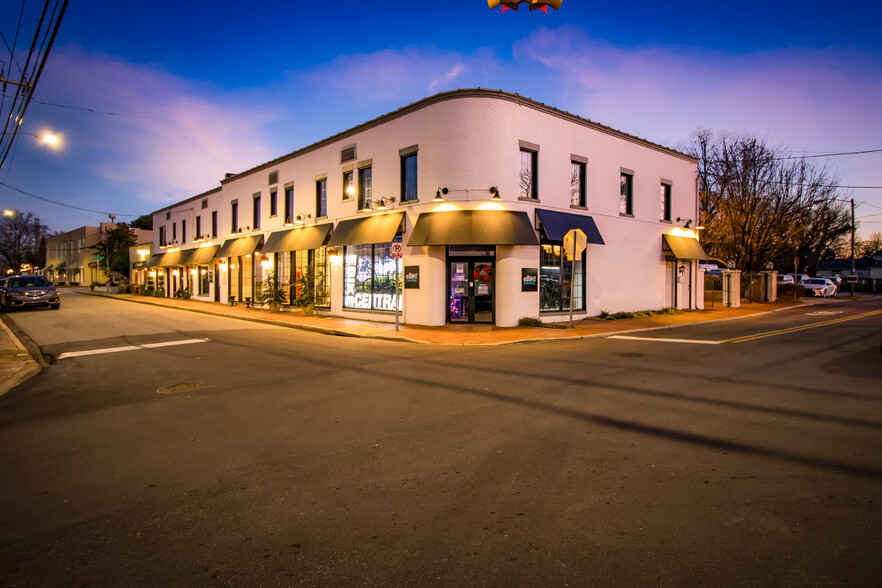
(495, 191)
(438, 194)
(382, 203)
(688, 221)
(301, 218)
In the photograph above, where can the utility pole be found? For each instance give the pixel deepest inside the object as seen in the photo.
(853, 278)
(107, 248)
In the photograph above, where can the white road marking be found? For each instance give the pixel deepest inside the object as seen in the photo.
(129, 348)
(660, 340)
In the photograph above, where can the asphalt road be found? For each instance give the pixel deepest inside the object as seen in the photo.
(742, 453)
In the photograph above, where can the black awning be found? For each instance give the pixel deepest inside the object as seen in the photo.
(239, 246)
(203, 255)
(676, 247)
(377, 228)
(311, 237)
(155, 260)
(556, 224)
(473, 227)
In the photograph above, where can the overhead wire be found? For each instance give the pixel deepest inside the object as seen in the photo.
(26, 193)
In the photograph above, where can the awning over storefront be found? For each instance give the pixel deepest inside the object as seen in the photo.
(557, 224)
(61, 266)
(202, 255)
(473, 227)
(239, 246)
(169, 259)
(377, 228)
(682, 248)
(311, 237)
(154, 260)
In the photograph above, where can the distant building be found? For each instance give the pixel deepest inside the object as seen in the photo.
(71, 257)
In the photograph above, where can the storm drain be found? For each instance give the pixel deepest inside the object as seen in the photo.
(179, 388)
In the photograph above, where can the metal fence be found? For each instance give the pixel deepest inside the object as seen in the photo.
(863, 285)
(713, 290)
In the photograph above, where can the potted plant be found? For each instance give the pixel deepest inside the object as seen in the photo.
(272, 293)
(305, 292)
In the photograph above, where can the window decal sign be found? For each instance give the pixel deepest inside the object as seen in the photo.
(411, 277)
(529, 279)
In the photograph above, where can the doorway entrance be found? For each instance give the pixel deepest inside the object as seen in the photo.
(471, 284)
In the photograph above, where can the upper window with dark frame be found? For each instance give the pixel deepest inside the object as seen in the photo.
(347, 154)
(234, 216)
(528, 174)
(365, 187)
(578, 183)
(665, 201)
(409, 178)
(626, 194)
(214, 224)
(198, 234)
(289, 204)
(273, 177)
(274, 202)
(348, 185)
(321, 198)
(255, 216)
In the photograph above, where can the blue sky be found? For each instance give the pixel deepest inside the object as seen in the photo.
(202, 88)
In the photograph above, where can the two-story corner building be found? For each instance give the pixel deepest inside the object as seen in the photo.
(476, 190)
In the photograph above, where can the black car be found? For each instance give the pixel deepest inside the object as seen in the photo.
(21, 291)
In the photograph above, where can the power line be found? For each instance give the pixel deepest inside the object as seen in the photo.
(20, 191)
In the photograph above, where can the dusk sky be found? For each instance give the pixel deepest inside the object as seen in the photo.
(198, 88)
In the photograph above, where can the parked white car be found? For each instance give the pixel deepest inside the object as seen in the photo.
(818, 287)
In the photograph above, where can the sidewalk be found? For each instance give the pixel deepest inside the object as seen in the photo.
(450, 334)
(16, 363)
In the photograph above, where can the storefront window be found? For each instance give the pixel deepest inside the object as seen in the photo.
(555, 280)
(369, 281)
(203, 277)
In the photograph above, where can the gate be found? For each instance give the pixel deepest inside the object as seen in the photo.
(713, 290)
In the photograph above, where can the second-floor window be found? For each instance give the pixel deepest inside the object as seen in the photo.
(163, 238)
(321, 198)
(198, 227)
(626, 194)
(255, 220)
(364, 187)
(214, 224)
(578, 192)
(529, 174)
(234, 216)
(289, 204)
(274, 203)
(183, 231)
(665, 202)
(348, 185)
(409, 178)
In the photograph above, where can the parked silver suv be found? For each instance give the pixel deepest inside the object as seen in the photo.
(21, 291)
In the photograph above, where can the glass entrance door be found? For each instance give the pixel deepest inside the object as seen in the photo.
(470, 290)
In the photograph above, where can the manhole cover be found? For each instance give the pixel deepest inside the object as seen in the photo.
(630, 354)
(824, 312)
(178, 388)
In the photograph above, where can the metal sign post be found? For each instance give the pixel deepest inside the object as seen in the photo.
(574, 242)
(396, 255)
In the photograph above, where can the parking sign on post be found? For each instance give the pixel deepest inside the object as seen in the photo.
(396, 254)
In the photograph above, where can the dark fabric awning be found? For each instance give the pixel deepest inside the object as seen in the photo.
(239, 246)
(155, 260)
(473, 227)
(311, 237)
(682, 248)
(203, 255)
(556, 224)
(377, 228)
(172, 258)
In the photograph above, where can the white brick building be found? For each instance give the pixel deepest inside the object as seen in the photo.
(479, 188)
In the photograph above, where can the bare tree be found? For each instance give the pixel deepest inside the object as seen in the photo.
(759, 205)
(18, 245)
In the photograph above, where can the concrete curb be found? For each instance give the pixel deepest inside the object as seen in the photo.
(406, 339)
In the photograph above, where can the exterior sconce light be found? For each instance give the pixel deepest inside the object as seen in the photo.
(239, 231)
(382, 204)
(438, 196)
(289, 222)
(495, 191)
(688, 221)
(301, 218)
